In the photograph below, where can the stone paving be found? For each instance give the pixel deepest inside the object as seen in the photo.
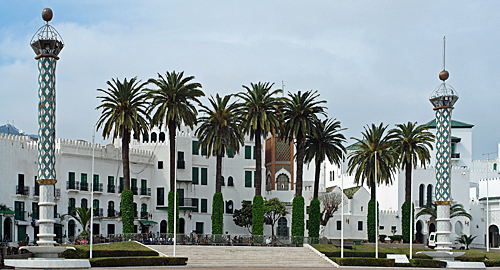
(246, 256)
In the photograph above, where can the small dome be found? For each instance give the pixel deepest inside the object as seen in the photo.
(47, 14)
(444, 75)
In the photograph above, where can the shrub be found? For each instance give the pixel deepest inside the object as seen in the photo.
(405, 222)
(258, 215)
(217, 213)
(314, 218)
(427, 263)
(492, 263)
(370, 226)
(127, 208)
(171, 212)
(80, 253)
(137, 261)
(395, 238)
(357, 261)
(356, 254)
(381, 238)
(467, 257)
(298, 217)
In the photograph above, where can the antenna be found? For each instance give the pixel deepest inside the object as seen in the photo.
(444, 51)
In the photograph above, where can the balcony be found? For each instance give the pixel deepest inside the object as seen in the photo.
(57, 193)
(112, 213)
(144, 215)
(84, 186)
(181, 164)
(72, 185)
(145, 191)
(98, 212)
(111, 188)
(134, 190)
(97, 187)
(20, 215)
(23, 190)
(455, 155)
(187, 204)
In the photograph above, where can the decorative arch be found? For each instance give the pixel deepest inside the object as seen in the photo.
(163, 226)
(493, 235)
(162, 137)
(419, 236)
(421, 195)
(145, 137)
(153, 137)
(430, 188)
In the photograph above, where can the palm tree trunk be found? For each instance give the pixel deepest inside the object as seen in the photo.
(258, 163)
(171, 136)
(373, 189)
(125, 158)
(218, 174)
(300, 164)
(316, 180)
(407, 181)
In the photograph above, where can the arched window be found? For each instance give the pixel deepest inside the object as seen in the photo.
(230, 181)
(145, 137)
(429, 193)
(84, 203)
(421, 195)
(162, 137)
(282, 182)
(153, 136)
(229, 207)
(494, 166)
(71, 228)
(222, 181)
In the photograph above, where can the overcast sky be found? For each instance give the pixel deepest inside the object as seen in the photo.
(372, 61)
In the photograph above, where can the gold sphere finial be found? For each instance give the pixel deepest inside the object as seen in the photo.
(47, 14)
(444, 75)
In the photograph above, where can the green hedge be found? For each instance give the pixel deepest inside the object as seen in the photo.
(217, 213)
(427, 263)
(356, 254)
(127, 208)
(314, 218)
(370, 217)
(492, 263)
(137, 261)
(405, 222)
(364, 262)
(471, 257)
(171, 212)
(298, 216)
(258, 215)
(85, 254)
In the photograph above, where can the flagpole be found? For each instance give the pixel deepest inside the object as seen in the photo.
(342, 215)
(411, 217)
(376, 209)
(92, 197)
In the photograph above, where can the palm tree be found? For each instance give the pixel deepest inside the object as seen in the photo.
(260, 110)
(373, 145)
(325, 141)
(82, 216)
(220, 131)
(124, 110)
(466, 240)
(456, 210)
(300, 111)
(412, 143)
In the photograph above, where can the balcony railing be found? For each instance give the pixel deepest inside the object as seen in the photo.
(35, 215)
(84, 186)
(455, 155)
(134, 190)
(186, 202)
(72, 185)
(111, 188)
(145, 191)
(181, 164)
(20, 215)
(144, 215)
(98, 212)
(97, 188)
(112, 213)
(23, 190)
(57, 193)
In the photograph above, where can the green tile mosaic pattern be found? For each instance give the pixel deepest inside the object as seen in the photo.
(46, 118)
(443, 156)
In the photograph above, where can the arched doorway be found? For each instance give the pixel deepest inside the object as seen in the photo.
(7, 227)
(282, 227)
(182, 225)
(419, 236)
(432, 227)
(71, 229)
(163, 226)
(493, 231)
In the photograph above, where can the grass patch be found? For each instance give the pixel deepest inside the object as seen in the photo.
(119, 249)
(137, 261)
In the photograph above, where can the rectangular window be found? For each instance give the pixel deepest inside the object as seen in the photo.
(204, 176)
(248, 152)
(34, 207)
(83, 178)
(195, 148)
(393, 229)
(181, 164)
(134, 186)
(121, 185)
(199, 227)
(204, 151)
(111, 184)
(248, 179)
(381, 227)
(203, 207)
(194, 202)
(254, 153)
(360, 225)
(339, 225)
(71, 178)
(254, 178)
(231, 152)
(83, 182)
(160, 165)
(19, 210)
(195, 171)
(160, 196)
(37, 188)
